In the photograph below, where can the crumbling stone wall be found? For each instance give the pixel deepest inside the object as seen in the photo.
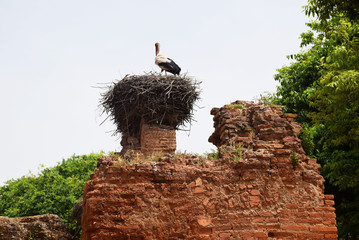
(46, 226)
(267, 139)
(262, 187)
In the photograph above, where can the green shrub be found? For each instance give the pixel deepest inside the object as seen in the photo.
(54, 191)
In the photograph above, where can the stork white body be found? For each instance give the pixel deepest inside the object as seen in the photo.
(166, 64)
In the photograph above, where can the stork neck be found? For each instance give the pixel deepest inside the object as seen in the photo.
(157, 49)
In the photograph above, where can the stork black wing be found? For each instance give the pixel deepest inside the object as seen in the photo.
(170, 66)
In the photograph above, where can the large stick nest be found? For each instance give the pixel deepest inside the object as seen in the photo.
(158, 99)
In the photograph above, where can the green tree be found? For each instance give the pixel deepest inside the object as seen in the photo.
(321, 86)
(326, 9)
(337, 104)
(301, 78)
(55, 190)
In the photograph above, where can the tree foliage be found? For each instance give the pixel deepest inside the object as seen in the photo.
(55, 190)
(300, 79)
(321, 86)
(326, 9)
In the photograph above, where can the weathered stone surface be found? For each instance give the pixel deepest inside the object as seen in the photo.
(255, 191)
(47, 227)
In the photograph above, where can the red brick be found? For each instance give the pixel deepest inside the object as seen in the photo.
(198, 190)
(328, 196)
(204, 230)
(261, 126)
(272, 220)
(308, 220)
(301, 214)
(280, 160)
(222, 228)
(285, 220)
(295, 228)
(323, 229)
(315, 214)
(242, 186)
(283, 151)
(254, 201)
(260, 235)
(285, 213)
(290, 139)
(291, 205)
(324, 209)
(128, 228)
(219, 221)
(310, 236)
(266, 214)
(232, 216)
(280, 235)
(330, 209)
(267, 227)
(242, 227)
(214, 236)
(223, 235)
(301, 209)
(331, 236)
(329, 215)
(258, 220)
(204, 222)
(242, 220)
(330, 222)
(255, 192)
(329, 202)
(246, 235)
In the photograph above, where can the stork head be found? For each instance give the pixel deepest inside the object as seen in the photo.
(157, 45)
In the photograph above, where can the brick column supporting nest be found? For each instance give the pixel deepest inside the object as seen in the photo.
(157, 138)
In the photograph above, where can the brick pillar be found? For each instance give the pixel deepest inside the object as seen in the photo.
(157, 138)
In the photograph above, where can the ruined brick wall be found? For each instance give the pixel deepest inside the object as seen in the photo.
(254, 191)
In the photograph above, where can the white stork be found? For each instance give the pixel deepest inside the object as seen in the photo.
(166, 64)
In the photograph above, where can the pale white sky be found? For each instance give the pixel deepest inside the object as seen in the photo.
(53, 54)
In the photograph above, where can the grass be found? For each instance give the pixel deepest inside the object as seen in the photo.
(294, 158)
(235, 151)
(234, 106)
(213, 155)
(133, 157)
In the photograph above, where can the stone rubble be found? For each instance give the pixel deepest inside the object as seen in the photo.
(48, 226)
